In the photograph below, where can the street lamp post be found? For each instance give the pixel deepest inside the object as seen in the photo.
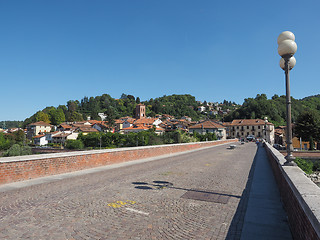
(265, 128)
(286, 49)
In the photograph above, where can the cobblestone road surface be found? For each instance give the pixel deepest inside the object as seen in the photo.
(190, 196)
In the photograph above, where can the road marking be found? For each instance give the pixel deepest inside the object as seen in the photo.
(114, 205)
(119, 204)
(137, 211)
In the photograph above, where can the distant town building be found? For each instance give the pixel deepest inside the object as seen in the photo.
(40, 140)
(102, 116)
(257, 128)
(201, 109)
(209, 127)
(187, 118)
(140, 111)
(34, 129)
(280, 140)
(62, 137)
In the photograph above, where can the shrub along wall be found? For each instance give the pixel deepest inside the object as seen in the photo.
(21, 168)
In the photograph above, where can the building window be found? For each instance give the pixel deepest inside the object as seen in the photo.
(247, 127)
(258, 127)
(237, 127)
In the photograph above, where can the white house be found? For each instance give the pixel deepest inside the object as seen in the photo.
(209, 127)
(62, 137)
(201, 109)
(37, 128)
(40, 140)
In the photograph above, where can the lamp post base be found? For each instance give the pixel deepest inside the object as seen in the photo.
(290, 161)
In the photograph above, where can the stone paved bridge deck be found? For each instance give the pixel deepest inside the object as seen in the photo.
(203, 194)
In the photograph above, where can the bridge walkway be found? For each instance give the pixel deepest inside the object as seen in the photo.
(265, 217)
(213, 193)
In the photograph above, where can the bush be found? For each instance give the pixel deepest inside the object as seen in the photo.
(205, 137)
(17, 150)
(25, 150)
(304, 164)
(74, 144)
(4, 142)
(186, 138)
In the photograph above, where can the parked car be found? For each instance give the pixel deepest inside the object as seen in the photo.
(251, 138)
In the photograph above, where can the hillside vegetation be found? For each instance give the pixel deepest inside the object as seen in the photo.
(175, 105)
(274, 108)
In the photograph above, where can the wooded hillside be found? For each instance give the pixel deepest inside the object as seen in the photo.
(175, 105)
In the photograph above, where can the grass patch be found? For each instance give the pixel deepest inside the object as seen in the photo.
(305, 165)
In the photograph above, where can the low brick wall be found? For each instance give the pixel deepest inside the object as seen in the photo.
(300, 196)
(13, 169)
(304, 154)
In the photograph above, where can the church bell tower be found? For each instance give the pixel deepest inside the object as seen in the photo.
(140, 111)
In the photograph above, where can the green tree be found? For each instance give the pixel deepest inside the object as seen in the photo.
(110, 119)
(10, 124)
(17, 150)
(75, 117)
(41, 116)
(5, 143)
(19, 136)
(308, 127)
(72, 106)
(56, 116)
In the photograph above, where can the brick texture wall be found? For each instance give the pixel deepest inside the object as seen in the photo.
(14, 170)
(300, 222)
(304, 154)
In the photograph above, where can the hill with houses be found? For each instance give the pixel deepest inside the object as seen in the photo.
(108, 109)
(176, 118)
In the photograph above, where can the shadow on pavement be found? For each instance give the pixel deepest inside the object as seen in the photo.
(144, 187)
(156, 185)
(236, 225)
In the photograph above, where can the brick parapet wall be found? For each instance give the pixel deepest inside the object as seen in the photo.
(300, 196)
(13, 169)
(304, 154)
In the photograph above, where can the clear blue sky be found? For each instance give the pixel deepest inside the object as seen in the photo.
(55, 51)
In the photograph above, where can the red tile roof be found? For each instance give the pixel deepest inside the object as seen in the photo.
(160, 129)
(87, 129)
(147, 121)
(65, 126)
(139, 127)
(41, 123)
(61, 135)
(39, 136)
(94, 121)
(248, 122)
(117, 121)
(207, 125)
